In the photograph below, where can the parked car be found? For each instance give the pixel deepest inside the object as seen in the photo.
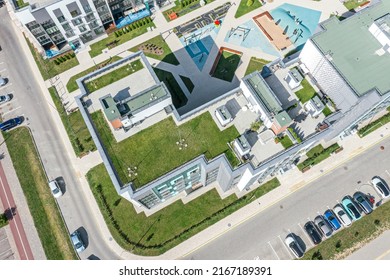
(55, 189)
(351, 208)
(313, 232)
(343, 217)
(323, 226)
(77, 241)
(331, 218)
(3, 81)
(4, 98)
(294, 246)
(362, 201)
(10, 123)
(381, 187)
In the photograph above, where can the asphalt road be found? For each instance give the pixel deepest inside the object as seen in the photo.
(262, 236)
(30, 102)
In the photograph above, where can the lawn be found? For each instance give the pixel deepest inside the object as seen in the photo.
(47, 67)
(243, 8)
(154, 150)
(327, 111)
(285, 141)
(179, 99)
(227, 66)
(181, 10)
(114, 75)
(168, 227)
(350, 239)
(72, 85)
(306, 93)
(20, 4)
(255, 64)
(316, 155)
(187, 81)
(43, 208)
(75, 127)
(374, 125)
(3, 220)
(352, 4)
(98, 47)
(158, 41)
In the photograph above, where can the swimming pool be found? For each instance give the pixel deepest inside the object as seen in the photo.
(52, 53)
(299, 23)
(132, 18)
(255, 39)
(199, 43)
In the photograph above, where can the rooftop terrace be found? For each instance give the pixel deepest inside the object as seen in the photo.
(351, 48)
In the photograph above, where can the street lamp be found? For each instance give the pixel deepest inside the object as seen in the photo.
(182, 143)
(132, 171)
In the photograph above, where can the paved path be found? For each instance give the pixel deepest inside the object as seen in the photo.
(15, 222)
(378, 249)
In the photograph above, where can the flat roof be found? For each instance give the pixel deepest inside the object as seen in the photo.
(351, 48)
(260, 87)
(109, 108)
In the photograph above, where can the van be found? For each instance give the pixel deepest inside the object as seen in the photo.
(55, 189)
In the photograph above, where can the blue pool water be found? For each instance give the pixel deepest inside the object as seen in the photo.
(132, 18)
(299, 23)
(254, 40)
(199, 43)
(51, 53)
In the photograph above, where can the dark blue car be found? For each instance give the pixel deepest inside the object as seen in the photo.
(332, 220)
(10, 123)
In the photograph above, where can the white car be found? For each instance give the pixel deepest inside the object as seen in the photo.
(55, 189)
(381, 187)
(3, 81)
(342, 216)
(294, 246)
(77, 242)
(4, 98)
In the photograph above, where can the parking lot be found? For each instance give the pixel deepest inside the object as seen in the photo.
(9, 109)
(275, 249)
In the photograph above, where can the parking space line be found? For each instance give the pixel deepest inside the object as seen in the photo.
(269, 243)
(284, 245)
(10, 111)
(5, 69)
(307, 235)
(387, 172)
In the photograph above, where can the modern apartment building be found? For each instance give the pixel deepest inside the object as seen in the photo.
(60, 25)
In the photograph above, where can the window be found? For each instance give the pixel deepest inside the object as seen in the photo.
(74, 13)
(61, 18)
(69, 33)
(77, 21)
(52, 30)
(211, 176)
(87, 8)
(66, 26)
(82, 28)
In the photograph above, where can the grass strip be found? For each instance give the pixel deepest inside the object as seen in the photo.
(255, 64)
(374, 125)
(43, 207)
(244, 8)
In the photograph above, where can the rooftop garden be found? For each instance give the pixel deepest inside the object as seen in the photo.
(114, 75)
(121, 36)
(247, 6)
(255, 64)
(183, 7)
(168, 227)
(157, 48)
(154, 150)
(306, 93)
(72, 85)
(353, 4)
(226, 66)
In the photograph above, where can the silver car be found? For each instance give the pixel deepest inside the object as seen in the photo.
(3, 81)
(323, 226)
(5, 98)
(342, 215)
(294, 246)
(77, 241)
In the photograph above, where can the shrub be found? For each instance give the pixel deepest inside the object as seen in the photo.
(116, 34)
(120, 32)
(249, 3)
(183, 3)
(147, 19)
(137, 24)
(130, 28)
(124, 31)
(68, 56)
(72, 54)
(133, 26)
(3, 220)
(56, 62)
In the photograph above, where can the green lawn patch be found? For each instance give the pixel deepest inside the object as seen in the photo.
(351, 238)
(327, 111)
(227, 66)
(72, 85)
(114, 75)
(306, 93)
(154, 150)
(157, 42)
(183, 7)
(285, 141)
(187, 81)
(96, 48)
(232, 158)
(45, 213)
(318, 155)
(47, 67)
(374, 125)
(3, 220)
(179, 99)
(20, 4)
(75, 127)
(353, 4)
(168, 227)
(295, 135)
(255, 64)
(247, 6)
